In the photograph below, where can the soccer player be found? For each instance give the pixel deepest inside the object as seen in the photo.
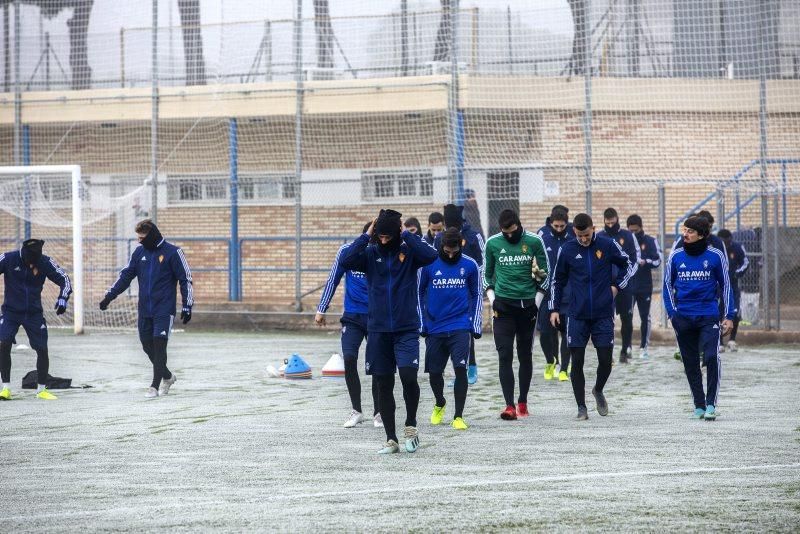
(555, 233)
(472, 214)
(586, 263)
(512, 258)
(159, 266)
(692, 277)
(451, 304)
(390, 266)
(354, 331)
(737, 266)
(24, 272)
(412, 225)
(650, 258)
(473, 246)
(435, 227)
(623, 302)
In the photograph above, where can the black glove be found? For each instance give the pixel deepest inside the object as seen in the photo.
(476, 335)
(186, 314)
(105, 302)
(61, 306)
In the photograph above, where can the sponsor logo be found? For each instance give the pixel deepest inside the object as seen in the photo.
(716, 327)
(549, 249)
(694, 275)
(144, 258)
(682, 265)
(598, 253)
(449, 283)
(438, 273)
(578, 257)
(518, 259)
(502, 251)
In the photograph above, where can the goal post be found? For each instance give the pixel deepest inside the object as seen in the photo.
(87, 224)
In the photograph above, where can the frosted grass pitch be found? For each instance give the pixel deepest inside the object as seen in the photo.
(230, 448)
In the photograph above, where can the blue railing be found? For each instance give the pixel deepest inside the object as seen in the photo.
(737, 211)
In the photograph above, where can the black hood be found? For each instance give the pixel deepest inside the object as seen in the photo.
(152, 239)
(32, 251)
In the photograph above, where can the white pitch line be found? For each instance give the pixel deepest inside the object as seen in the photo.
(141, 509)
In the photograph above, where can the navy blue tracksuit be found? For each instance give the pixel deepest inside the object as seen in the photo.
(650, 257)
(159, 272)
(623, 302)
(356, 304)
(691, 285)
(393, 323)
(22, 302)
(548, 334)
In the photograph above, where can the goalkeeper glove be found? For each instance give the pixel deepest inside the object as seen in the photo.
(186, 314)
(105, 302)
(61, 306)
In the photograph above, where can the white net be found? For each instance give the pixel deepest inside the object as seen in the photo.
(37, 204)
(654, 107)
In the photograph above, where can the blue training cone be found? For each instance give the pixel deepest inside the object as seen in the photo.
(296, 367)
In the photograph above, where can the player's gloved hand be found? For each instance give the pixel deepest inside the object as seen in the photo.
(490, 295)
(105, 302)
(186, 314)
(61, 306)
(476, 335)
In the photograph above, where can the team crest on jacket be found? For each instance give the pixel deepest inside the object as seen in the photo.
(705, 264)
(35, 271)
(463, 242)
(621, 241)
(641, 246)
(598, 253)
(524, 248)
(462, 271)
(161, 259)
(401, 257)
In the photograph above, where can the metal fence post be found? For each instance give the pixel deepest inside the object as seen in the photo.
(234, 292)
(154, 116)
(298, 156)
(776, 277)
(762, 123)
(587, 115)
(26, 160)
(662, 236)
(455, 159)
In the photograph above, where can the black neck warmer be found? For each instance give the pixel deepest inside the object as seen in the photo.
(32, 251)
(559, 235)
(640, 236)
(696, 248)
(447, 259)
(152, 239)
(515, 236)
(613, 229)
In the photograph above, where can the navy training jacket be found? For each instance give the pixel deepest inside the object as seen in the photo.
(552, 245)
(391, 280)
(158, 272)
(650, 252)
(356, 299)
(23, 285)
(590, 273)
(630, 246)
(451, 296)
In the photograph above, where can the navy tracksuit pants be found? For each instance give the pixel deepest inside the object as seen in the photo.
(698, 334)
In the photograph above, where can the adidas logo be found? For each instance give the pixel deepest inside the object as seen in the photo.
(502, 251)
(43, 327)
(144, 258)
(462, 362)
(578, 257)
(415, 362)
(17, 268)
(716, 327)
(683, 265)
(549, 249)
(379, 260)
(163, 333)
(438, 273)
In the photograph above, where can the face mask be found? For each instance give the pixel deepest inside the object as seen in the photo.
(613, 229)
(696, 248)
(392, 245)
(515, 236)
(152, 239)
(448, 259)
(32, 251)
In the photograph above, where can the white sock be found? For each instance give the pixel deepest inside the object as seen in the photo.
(7, 385)
(40, 388)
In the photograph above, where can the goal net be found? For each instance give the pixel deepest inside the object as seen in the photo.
(87, 226)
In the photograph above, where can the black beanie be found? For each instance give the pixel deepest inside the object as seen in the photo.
(388, 223)
(32, 251)
(453, 216)
(698, 224)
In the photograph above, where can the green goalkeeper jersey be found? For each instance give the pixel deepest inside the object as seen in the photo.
(508, 267)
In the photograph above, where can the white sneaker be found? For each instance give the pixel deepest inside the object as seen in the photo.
(355, 418)
(152, 393)
(732, 346)
(643, 354)
(377, 421)
(412, 438)
(166, 384)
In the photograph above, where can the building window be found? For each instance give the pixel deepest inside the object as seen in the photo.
(215, 189)
(409, 186)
